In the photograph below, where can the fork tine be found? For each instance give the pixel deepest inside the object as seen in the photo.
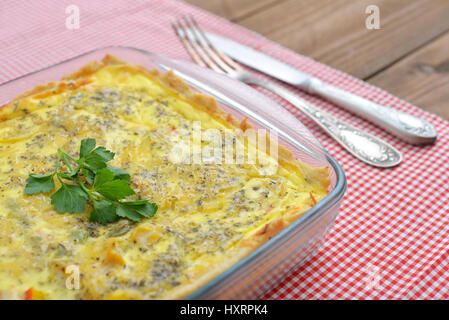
(207, 46)
(210, 45)
(186, 44)
(195, 43)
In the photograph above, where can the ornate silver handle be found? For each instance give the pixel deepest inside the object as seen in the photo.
(409, 128)
(362, 145)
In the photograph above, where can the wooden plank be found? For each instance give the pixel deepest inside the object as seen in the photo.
(334, 32)
(422, 78)
(233, 9)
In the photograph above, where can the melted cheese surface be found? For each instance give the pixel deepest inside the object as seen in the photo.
(206, 211)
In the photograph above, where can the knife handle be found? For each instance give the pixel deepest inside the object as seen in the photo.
(409, 128)
(362, 145)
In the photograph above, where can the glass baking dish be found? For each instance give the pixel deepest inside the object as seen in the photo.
(270, 263)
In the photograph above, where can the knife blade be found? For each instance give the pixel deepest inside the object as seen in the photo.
(260, 61)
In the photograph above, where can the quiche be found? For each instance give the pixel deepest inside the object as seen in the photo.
(211, 213)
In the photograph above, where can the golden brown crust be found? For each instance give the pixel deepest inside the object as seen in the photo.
(208, 104)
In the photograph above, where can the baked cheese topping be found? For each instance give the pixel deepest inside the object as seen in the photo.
(210, 214)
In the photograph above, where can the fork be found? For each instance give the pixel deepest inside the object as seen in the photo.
(360, 144)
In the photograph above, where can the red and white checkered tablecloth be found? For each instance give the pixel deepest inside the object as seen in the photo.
(391, 238)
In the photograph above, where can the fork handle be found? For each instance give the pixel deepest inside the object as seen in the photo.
(362, 145)
(409, 128)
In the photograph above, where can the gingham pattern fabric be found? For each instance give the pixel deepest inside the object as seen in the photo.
(391, 238)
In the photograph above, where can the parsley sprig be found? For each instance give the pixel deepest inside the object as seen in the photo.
(103, 186)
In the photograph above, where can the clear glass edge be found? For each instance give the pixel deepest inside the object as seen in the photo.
(310, 216)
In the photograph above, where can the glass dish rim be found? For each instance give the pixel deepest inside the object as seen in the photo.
(312, 214)
(335, 195)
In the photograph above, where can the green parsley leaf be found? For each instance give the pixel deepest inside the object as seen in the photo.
(38, 183)
(97, 158)
(70, 198)
(70, 175)
(87, 145)
(94, 161)
(94, 158)
(89, 175)
(135, 202)
(128, 212)
(103, 176)
(142, 207)
(120, 174)
(104, 212)
(115, 190)
(149, 210)
(105, 154)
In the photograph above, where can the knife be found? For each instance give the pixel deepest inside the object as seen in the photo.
(407, 127)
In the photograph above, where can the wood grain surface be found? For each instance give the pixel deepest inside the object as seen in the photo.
(408, 56)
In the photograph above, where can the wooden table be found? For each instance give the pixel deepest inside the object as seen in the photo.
(408, 56)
